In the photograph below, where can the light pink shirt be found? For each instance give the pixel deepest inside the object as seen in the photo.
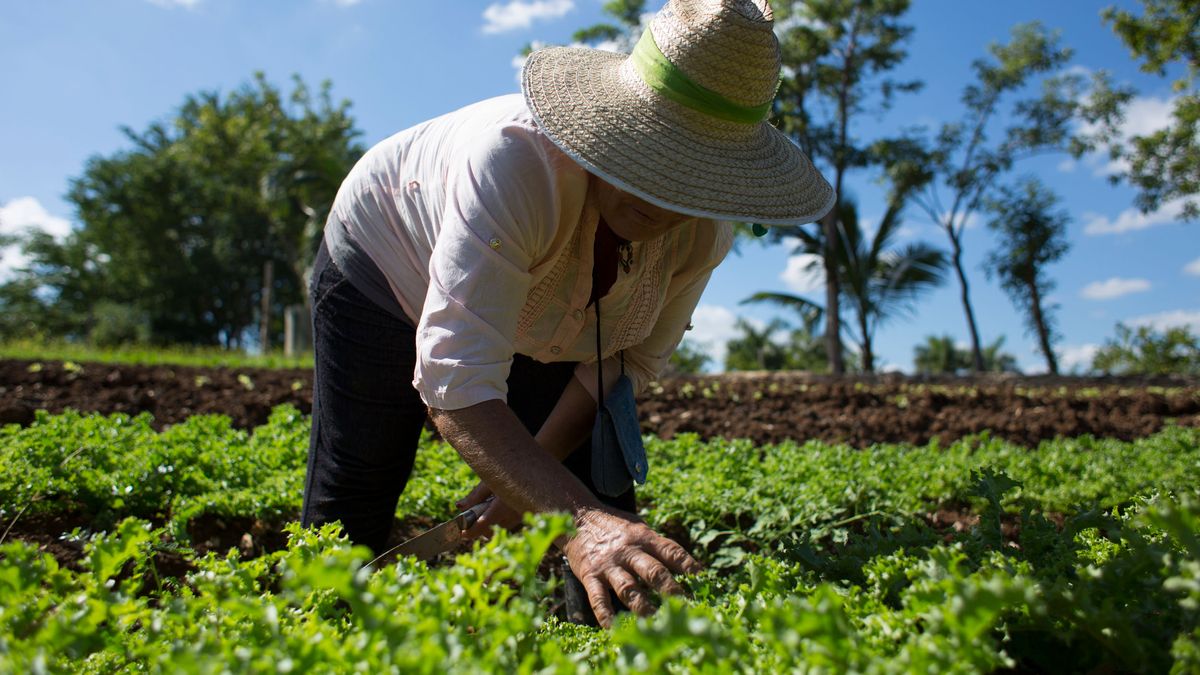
(484, 230)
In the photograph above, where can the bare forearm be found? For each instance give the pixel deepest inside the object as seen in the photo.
(519, 470)
(570, 423)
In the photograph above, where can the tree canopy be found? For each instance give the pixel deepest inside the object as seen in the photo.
(836, 58)
(955, 172)
(1143, 350)
(178, 228)
(1032, 234)
(1162, 165)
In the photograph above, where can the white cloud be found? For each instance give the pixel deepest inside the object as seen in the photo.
(799, 19)
(11, 259)
(1077, 357)
(1143, 116)
(712, 327)
(186, 4)
(345, 3)
(1192, 268)
(20, 216)
(517, 14)
(24, 213)
(1146, 115)
(805, 273)
(1067, 165)
(1114, 288)
(972, 221)
(1131, 220)
(1170, 319)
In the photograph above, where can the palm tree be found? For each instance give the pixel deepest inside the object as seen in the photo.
(939, 355)
(879, 282)
(810, 312)
(755, 350)
(996, 361)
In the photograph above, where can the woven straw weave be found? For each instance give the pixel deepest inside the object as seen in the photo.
(595, 106)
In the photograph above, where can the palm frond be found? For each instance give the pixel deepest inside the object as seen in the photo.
(810, 312)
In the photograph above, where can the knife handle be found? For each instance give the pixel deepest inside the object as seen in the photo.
(467, 519)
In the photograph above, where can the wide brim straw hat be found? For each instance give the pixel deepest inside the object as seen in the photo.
(681, 122)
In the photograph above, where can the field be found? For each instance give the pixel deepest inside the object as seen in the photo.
(164, 543)
(765, 408)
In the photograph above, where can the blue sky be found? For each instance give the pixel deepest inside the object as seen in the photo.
(78, 70)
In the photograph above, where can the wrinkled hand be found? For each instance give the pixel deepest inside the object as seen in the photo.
(614, 549)
(498, 513)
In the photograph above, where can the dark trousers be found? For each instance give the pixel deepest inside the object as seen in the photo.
(367, 418)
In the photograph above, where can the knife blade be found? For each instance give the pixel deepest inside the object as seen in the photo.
(442, 538)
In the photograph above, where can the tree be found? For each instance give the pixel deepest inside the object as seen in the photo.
(806, 351)
(809, 312)
(620, 36)
(181, 227)
(1032, 235)
(687, 358)
(940, 356)
(1146, 351)
(963, 160)
(835, 53)
(879, 281)
(1163, 165)
(55, 293)
(628, 17)
(882, 282)
(755, 350)
(997, 361)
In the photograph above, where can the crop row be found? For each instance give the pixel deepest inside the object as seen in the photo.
(1077, 555)
(109, 467)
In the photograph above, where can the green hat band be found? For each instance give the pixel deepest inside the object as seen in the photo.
(663, 77)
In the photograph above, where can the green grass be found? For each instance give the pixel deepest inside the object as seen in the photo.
(819, 560)
(210, 357)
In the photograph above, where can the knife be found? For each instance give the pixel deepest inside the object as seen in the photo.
(441, 538)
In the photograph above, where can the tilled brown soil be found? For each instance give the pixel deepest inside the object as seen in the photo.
(771, 408)
(764, 407)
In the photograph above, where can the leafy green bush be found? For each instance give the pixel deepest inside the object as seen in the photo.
(116, 324)
(1082, 555)
(1146, 351)
(1086, 601)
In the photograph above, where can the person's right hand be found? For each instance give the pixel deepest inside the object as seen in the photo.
(614, 549)
(497, 513)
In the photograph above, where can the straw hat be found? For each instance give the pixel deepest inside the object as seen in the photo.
(680, 122)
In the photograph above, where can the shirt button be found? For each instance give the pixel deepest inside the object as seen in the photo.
(556, 350)
(578, 314)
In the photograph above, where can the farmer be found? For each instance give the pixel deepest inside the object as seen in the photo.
(489, 266)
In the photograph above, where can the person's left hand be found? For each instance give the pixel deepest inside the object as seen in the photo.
(497, 513)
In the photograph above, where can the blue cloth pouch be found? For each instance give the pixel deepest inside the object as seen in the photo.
(618, 455)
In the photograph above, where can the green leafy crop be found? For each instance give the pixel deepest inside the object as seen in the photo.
(1080, 555)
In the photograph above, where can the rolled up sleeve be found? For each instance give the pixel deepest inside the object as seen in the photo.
(501, 209)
